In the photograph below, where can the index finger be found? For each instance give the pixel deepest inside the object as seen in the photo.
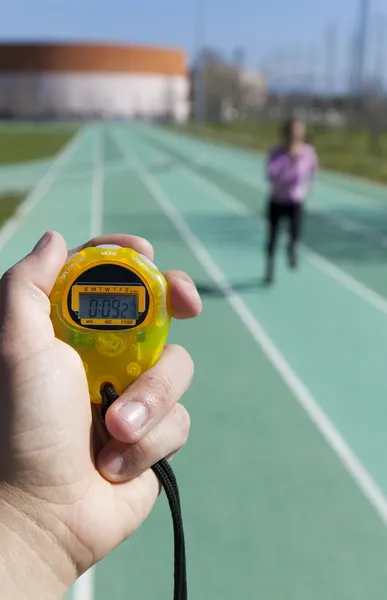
(139, 244)
(186, 301)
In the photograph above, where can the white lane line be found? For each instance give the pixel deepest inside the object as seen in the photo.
(96, 210)
(315, 259)
(302, 394)
(342, 179)
(344, 223)
(41, 189)
(111, 168)
(83, 589)
(375, 235)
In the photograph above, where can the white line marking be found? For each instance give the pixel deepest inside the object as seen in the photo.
(346, 224)
(342, 222)
(13, 223)
(315, 259)
(83, 589)
(84, 586)
(96, 211)
(346, 455)
(111, 168)
(250, 153)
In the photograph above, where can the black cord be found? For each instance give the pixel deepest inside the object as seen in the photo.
(167, 478)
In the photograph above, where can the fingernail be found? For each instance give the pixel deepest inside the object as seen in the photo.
(134, 414)
(43, 241)
(113, 462)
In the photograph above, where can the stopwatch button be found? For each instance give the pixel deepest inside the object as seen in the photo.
(147, 260)
(71, 256)
(108, 246)
(133, 369)
(110, 343)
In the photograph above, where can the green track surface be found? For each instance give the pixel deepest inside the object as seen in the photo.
(270, 511)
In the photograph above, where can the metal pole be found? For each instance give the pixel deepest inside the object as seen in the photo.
(199, 85)
(330, 58)
(379, 61)
(362, 45)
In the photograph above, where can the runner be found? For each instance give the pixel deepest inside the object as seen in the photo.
(291, 169)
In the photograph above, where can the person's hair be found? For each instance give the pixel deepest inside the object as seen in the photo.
(287, 127)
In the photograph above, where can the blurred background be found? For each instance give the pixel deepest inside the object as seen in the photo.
(243, 66)
(155, 118)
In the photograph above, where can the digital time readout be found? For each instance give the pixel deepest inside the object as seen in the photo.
(108, 306)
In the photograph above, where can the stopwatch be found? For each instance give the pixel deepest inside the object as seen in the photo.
(111, 304)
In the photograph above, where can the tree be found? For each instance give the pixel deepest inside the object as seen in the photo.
(220, 83)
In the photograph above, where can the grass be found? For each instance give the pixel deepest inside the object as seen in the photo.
(8, 204)
(24, 142)
(355, 152)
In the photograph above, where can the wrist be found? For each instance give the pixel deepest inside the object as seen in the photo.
(32, 564)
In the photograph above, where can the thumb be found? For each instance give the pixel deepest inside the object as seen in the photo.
(25, 324)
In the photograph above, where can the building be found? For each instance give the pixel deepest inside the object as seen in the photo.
(87, 80)
(228, 91)
(253, 90)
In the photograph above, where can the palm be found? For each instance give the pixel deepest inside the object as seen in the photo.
(69, 480)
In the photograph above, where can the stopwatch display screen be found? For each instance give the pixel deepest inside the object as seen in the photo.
(108, 306)
(108, 297)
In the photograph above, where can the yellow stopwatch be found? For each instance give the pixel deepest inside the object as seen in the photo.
(111, 305)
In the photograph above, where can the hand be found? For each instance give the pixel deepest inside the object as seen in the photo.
(59, 511)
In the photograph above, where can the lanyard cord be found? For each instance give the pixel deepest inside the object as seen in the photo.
(167, 478)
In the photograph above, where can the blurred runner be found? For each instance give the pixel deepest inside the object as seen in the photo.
(291, 169)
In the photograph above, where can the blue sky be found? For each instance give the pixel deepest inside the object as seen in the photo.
(265, 29)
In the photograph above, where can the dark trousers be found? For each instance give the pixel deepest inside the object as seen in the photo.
(276, 212)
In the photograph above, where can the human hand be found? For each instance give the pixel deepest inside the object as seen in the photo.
(61, 509)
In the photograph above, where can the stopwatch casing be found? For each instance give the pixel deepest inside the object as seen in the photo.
(111, 305)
